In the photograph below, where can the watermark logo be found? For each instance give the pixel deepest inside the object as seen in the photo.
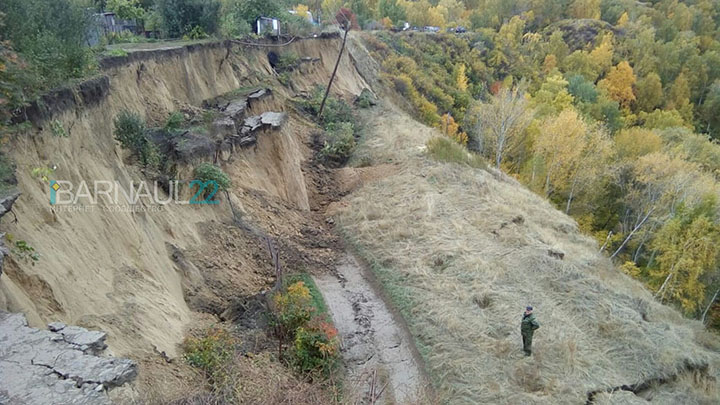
(113, 196)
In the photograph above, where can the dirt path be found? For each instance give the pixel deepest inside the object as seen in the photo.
(371, 338)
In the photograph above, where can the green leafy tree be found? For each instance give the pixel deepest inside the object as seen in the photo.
(391, 9)
(649, 92)
(180, 17)
(126, 9)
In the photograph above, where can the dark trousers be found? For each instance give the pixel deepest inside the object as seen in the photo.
(527, 343)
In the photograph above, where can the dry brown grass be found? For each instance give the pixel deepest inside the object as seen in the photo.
(253, 379)
(461, 251)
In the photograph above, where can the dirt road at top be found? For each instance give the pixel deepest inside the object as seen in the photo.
(372, 341)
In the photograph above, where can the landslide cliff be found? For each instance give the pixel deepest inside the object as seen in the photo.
(143, 275)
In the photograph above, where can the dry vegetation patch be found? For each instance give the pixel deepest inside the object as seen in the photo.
(461, 251)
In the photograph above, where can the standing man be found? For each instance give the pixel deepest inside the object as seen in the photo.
(527, 328)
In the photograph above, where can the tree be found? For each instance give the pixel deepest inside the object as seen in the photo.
(635, 142)
(585, 9)
(661, 119)
(710, 108)
(660, 184)
(623, 20)
(392, 10)
(582, 90)
(679, 98)
(182, 16)
(499, 122)
(579, 62)
(450, 128)
(688, 248)
(619, 84)
(553, 96)
(649, 92)
(602, 55)
(51, 37)
(559, 146)
(460, 78)
(126, 9)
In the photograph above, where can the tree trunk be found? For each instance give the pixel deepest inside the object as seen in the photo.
(712, 301)
(570, 197)
(662, 287)
(632, 233)
(332, 77)
(610, 233)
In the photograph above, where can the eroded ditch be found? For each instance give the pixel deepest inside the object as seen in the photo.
(372, 342)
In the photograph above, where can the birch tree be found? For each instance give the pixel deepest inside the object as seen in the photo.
(500, 122)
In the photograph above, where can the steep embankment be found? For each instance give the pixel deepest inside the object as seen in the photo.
(461, 251)
(140, 275)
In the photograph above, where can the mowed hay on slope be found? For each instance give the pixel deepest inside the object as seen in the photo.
(462, 251)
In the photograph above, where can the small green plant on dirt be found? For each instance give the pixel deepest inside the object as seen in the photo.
(23, 250)
(209, 172)
(444, 149)
(284, 78)
(211, 352)
(57, 129)
(336, 110)
(287, 61)
(130, 131)
(339, 143)
(366, 99)
(174, 122)
(42, 173)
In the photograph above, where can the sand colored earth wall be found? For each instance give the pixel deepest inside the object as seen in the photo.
(112, 270)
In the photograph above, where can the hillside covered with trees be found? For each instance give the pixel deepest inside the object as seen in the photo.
(607, 108)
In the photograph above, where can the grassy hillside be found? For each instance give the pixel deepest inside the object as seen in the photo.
(461, 251)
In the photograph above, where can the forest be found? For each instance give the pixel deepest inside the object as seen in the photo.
(608, 108)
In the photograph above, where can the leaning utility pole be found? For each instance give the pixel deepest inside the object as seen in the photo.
(346, 26)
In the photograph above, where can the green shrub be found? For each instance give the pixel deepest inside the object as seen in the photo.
(130, 131)
(122, 37)
(175, 121)
(25, 252)
(366, 99)
(51, 36)
(339, 143)
(117, 52)
(211, 352)
(57, 129)
(300, 315)
(336, 110)
(197, 32)
(315, 348)
(287, 61)
(209, 172)
(444, 149)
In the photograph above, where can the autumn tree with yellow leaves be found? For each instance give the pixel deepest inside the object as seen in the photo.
(619, 84)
